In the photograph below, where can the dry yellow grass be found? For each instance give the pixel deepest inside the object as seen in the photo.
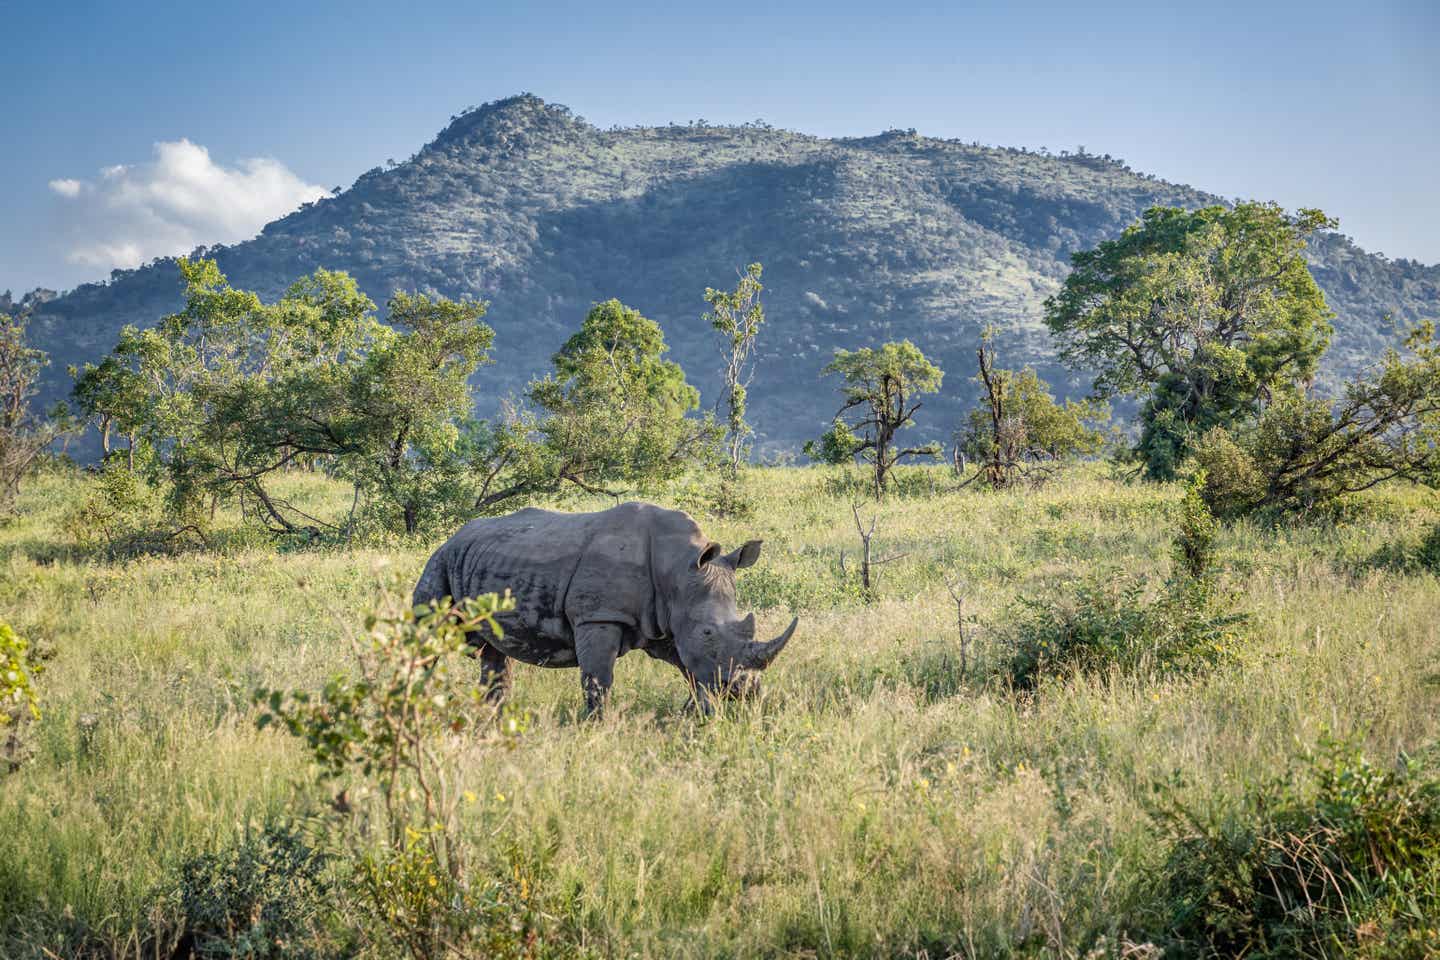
(874, 803)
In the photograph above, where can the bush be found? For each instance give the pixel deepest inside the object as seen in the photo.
(1116, 623)
(1429, 555)
(19, 703)
(1187, 625)
(392, 730)
(1346, 862)
(1302, 454)
(264, 897)
(124, 516)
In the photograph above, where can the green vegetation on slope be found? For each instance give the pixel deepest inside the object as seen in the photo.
(875, 803)
(864, 240)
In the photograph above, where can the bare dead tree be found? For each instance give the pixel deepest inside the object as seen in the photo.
(959, 598)
(868, 562)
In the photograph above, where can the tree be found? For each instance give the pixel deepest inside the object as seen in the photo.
(408, 400)
(613, 412)
(24, 434)
(112, 395)
(230, 390)
(1304, 453)
(1018, 431)
(1208, 314)
(737, 317)
(879, 387)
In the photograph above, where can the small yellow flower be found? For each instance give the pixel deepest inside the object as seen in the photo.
(499, 796)
(469, 796)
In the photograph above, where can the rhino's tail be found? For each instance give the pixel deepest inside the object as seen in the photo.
(434, 582)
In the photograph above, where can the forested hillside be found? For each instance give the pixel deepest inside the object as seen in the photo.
(897, 235)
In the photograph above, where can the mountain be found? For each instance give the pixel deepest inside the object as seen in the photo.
(526, 205)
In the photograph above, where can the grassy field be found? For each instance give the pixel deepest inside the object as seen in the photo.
(875, 803)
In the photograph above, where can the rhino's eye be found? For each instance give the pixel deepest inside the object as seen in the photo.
(707, 632)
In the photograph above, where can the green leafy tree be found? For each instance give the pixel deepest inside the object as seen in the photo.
(230, 390)
(614, 411)
(113, 397)
(1208, 314)
(1018, 431)
(24, 433)
(1304, 453)
(880, 387)
(737, 316)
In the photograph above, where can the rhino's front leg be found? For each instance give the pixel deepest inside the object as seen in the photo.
(596, 647)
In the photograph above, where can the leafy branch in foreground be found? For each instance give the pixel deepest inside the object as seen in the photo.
(390, 728)
(19, 703)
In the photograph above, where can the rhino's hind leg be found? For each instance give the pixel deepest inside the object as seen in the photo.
(596, 647)
(494, 674)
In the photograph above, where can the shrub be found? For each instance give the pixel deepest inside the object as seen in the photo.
(1349, 860)
(263, 897)
(19, 703)
(1187, 625)
(124, 515)
(1304, 454)
(1017, 431)
(390, 730)
(1429, 555)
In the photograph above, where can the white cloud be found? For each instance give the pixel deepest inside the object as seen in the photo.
(175, 202)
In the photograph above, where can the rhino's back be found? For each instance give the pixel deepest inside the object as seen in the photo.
(533, 554)
(560, 567)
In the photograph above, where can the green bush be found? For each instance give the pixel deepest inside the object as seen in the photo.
(1346, 862)
(1118, 623)
(264, 897)
(1429, 555)
(1123, 622)
(19, 703)
(125, 516)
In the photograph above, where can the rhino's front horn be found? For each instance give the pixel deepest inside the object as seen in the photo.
(762, 653)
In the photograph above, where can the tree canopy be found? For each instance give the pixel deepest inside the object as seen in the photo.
(614, 411)
(1206, 313)
(880, 387)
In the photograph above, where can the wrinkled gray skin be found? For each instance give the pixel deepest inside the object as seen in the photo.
(591, 587)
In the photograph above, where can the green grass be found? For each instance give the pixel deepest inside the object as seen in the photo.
(874, 803)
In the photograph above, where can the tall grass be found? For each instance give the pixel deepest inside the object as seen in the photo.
(873, 803)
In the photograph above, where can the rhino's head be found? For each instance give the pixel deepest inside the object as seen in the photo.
(718, 646)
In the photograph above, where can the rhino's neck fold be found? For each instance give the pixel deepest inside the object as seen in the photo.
(659, 612)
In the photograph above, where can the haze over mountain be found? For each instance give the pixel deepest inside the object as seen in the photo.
(863, 240)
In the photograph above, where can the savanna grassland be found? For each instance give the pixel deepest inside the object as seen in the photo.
(875, 802)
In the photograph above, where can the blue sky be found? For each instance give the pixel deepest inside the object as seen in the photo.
(213, 118)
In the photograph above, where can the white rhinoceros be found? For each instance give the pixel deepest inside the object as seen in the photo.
(590, 587)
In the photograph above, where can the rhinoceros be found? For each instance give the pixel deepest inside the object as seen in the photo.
(590, 587)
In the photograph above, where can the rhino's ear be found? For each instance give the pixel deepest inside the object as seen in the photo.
(745, 556)
(707, 555)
